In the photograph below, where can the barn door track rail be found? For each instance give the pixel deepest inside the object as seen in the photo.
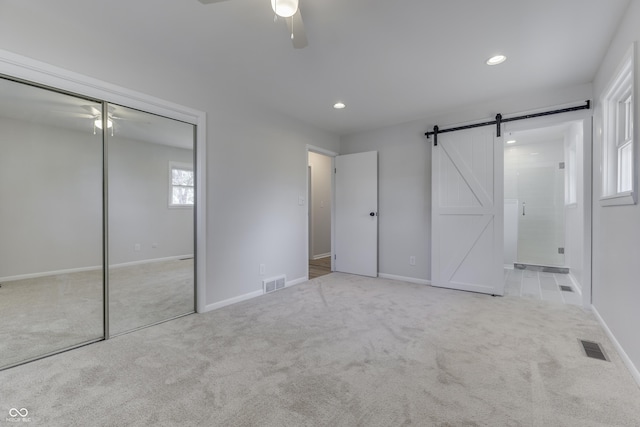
(499, 120)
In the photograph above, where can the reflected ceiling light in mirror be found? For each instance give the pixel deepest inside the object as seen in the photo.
(495, 60)
(98, 123)
(339, 105)
(511, 141)
(284, 8)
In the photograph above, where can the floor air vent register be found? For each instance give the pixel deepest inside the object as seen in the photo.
(593, 350)
(274, 284)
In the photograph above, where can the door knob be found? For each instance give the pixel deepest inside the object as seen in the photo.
(372, 214)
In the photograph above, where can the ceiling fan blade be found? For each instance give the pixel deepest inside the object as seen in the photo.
(72, 114)
(296, 27)
(92, 110)
(211, 1)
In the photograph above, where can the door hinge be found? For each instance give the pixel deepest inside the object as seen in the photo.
(335, 170)
(335, 256)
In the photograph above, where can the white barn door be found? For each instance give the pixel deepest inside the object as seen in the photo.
(356, 225)
(467, 211)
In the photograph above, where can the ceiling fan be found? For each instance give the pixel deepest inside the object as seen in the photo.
(289, 10)
(96, 116)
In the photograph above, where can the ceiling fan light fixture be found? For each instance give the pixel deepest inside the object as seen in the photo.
(284, 8)
(98, 123)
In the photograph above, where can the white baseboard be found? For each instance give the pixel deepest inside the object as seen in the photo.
(234, 300)
(150, 261)
(625, 358)
(48, 273)
(328, 254)
(296, 281)
(91, 268)
(250, 295)
(576, 284)
(404, 279)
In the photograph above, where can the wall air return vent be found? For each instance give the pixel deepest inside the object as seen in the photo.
(274, 284)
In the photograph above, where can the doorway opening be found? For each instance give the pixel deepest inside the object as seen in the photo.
(544, 212)
(320, 202)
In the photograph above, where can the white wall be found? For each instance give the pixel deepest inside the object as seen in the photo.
(616, 229)
(320, 206)
(405, 174)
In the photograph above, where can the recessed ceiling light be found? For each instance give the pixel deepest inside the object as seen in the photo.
(511, 141)
(339, 105)
(495, 60)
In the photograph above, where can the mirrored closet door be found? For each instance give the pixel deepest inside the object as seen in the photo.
(151, 219)
(83, 185)
(51, 229)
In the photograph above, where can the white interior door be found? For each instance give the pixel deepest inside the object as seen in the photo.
(467, 211)
(356, 224)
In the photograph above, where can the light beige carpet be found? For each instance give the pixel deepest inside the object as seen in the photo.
(45, 314)
(340, 350)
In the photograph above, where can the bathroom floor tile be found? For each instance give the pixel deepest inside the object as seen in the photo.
(540, 285)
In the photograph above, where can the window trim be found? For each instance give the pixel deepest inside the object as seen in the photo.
(181, 166)
(619, 89)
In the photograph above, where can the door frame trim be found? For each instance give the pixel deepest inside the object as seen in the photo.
(319, 150)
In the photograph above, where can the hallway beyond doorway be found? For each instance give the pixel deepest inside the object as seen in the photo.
(319, 267)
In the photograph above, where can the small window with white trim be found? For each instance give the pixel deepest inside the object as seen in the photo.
(181, 185)
(618, 144)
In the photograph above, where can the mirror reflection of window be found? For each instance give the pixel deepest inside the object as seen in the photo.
(182, 192)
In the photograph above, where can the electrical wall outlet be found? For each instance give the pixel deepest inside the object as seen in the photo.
(412, 260)
(137, 247)
(263, 268)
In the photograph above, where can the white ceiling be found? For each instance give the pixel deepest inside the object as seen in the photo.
(390, 61)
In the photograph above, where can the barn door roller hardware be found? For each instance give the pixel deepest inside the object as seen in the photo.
(499, 120)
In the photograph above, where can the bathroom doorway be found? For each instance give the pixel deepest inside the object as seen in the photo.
(544, 211)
